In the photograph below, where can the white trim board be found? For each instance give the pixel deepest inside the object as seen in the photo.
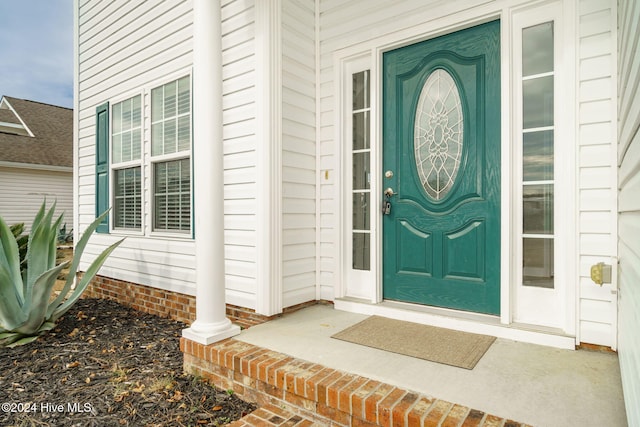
(24, 125)
(459, 321)
(372, 50)
(34, 166)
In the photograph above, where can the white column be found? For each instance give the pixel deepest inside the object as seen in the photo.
(211, 323)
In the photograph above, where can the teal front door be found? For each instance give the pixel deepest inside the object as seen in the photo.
(441, 171)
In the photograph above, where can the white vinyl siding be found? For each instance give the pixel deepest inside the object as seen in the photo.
(343, 25)
(239, 119)
(629, 204)
(23, 191)
(298, 152)
(125, 47)
(596, 162)
(118, 56)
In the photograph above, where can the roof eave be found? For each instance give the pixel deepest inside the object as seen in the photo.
(34, 166)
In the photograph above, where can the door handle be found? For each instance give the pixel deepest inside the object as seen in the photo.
(388, 193)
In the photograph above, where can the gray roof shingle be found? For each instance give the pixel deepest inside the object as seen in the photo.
(52, 127)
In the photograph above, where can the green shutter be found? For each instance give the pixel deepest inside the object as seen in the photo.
(102, 165)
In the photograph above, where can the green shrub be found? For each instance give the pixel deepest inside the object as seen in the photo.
(25, 292)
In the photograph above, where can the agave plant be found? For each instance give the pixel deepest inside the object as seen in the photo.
(26, 309)
(22, 240)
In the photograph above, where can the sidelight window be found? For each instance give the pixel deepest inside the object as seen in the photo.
(538, 134)
(361, 166)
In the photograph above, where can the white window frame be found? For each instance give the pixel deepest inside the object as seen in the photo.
(113, 167)
(152, 160)
(544, 307)
(373, 49)
(358, 283)
(147, 162)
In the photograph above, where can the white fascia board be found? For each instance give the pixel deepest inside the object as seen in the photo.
(33, 166)
(24, 125)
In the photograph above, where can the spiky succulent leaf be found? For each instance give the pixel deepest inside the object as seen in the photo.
(9, 256)
(25, 311)
(36, 308)
(11, 290)
(84, 282)
(46, 326)
(23, 340)
(39, 215)
(7, 339)
(53, 241)
(39, 252)
(11, 314)
(77, 254)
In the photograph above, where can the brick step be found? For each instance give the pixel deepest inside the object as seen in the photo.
(271, 415)
(307, 392)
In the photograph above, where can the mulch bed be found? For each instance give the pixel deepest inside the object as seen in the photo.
(108, 365)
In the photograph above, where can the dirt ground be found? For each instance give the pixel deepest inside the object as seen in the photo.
(108, 365)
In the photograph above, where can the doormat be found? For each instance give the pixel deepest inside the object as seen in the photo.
(455, 348)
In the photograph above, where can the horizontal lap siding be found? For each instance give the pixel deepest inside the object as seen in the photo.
(238, 87)
(597, 173)
(127, 47)
(343, 25)
(298, 152)
(22, 192)
(119, 57)
(629, 204)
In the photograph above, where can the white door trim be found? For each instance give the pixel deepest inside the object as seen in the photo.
(373, 50)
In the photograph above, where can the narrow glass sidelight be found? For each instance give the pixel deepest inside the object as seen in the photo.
(438, 134)
(361, 169)
(538, 132)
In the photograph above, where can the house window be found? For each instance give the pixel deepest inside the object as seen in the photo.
(172, 195)
(126, 149)
(538, 156)
(361, 166)
(157, 167)
(171, 155)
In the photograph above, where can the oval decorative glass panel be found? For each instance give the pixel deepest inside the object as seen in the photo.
(438, 136)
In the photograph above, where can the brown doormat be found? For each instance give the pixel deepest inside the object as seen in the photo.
(461, 349)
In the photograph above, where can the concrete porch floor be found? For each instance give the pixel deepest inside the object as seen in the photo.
(537, 385)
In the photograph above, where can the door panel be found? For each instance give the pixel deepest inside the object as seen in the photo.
(441, 128)
(416, 250)
(464, 252)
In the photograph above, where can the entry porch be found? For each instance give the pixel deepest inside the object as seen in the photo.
(300, 375)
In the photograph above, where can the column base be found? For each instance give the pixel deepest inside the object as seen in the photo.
(208, 333)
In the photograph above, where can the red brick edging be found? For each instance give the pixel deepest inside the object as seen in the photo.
(326, 396)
